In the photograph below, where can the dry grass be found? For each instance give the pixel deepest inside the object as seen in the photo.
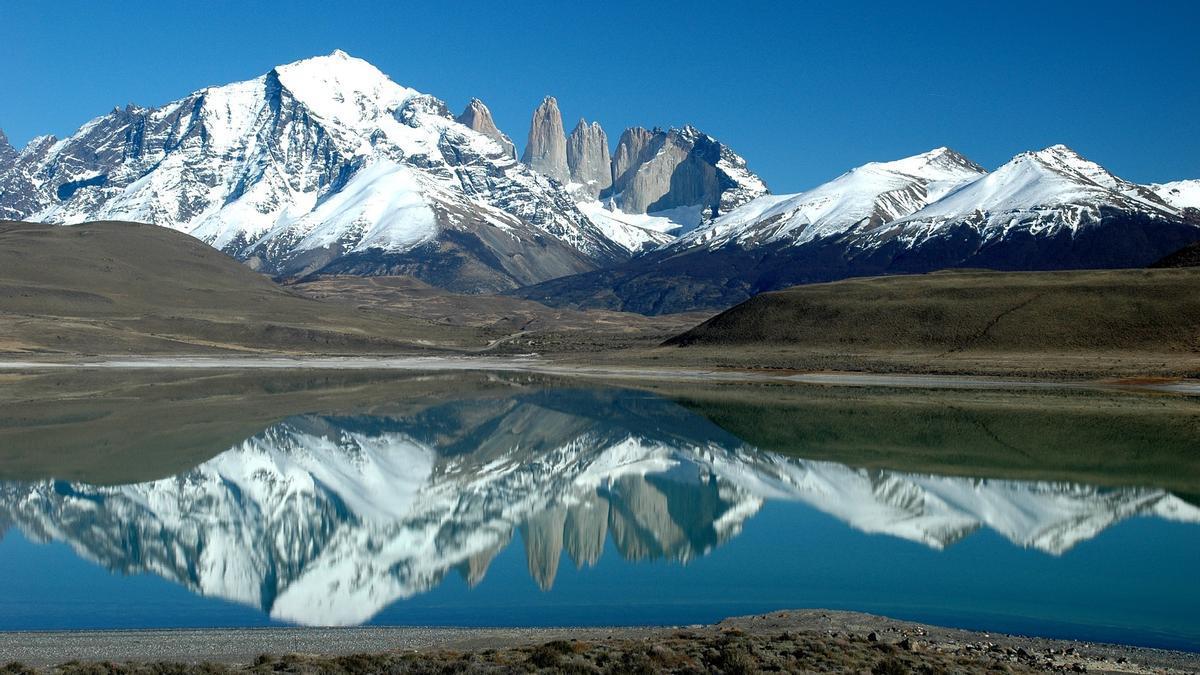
(113, 288)
(973, 312)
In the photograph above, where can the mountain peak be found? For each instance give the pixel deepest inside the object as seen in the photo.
(1064, 161)
(871, 194)
(588, 158)
(1058, 153)
(342, 89)
(941, 163)
(546, 149)
(477, 116)
(1059, 149)
(7, 151)
(337, 65)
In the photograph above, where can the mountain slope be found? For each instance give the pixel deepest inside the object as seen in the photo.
(1043, 210)
(869, 195)
(1050, 209)
(1127, 311)
(1182, 194)
(111, 288)
(322, 163)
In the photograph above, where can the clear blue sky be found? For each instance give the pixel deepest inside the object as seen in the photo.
(803, 91)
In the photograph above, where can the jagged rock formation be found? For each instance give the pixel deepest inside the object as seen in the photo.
(477, 116)
(679, 168)
(546, 150)
(1044, 210)
(655, 185)
(587, 158)
(7, 153)
(320, 166)
(327, 520)
(629, 155)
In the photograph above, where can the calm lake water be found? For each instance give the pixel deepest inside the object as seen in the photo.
(525, 502)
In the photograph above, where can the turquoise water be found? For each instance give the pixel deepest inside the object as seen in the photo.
(585, 507)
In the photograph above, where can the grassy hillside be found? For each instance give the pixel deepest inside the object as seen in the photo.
(111, 287)
(535, 326)
(972, 311)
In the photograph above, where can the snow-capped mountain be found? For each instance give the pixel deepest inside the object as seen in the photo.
(1044, 210)
(1044, 194)
(656, 185)
(867, 196)
(324, 520)
(323, 164)
(1182, 194)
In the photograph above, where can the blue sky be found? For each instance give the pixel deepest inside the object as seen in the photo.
(802, 90)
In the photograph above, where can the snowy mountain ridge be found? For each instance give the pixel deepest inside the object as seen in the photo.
(871, 194)
(327, 166)
(315, 161)
(1182, 194)
(1041, 192)
(922, 197)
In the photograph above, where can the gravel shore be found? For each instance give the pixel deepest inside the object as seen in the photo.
(810, 640)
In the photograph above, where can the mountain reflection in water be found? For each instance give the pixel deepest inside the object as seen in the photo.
(327, 520)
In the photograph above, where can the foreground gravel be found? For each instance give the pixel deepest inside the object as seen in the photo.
(795, 641)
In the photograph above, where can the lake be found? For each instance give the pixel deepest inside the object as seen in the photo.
(149, 500)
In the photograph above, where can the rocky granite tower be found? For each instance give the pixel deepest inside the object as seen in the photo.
(7, 153)
(478, 117)
(546, 151)
(587, 158)
(662, 170)
(633, 142)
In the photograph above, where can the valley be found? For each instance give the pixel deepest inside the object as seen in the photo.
(121, 289)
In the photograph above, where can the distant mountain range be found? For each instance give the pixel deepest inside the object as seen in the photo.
(1044, 210)
(326, 166)
(327, 520)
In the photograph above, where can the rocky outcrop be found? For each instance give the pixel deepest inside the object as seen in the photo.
(478, 117)
(630, 154)
(664, 170)
(587, 158)
(546, 151)
(7, 153)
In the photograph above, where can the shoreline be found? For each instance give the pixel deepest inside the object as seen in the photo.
(539, 365)
(853, 635)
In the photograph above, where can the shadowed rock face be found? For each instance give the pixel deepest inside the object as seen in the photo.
(478, 117)
(662, 170)
(546, 151)
(587, 158)
(630, 153)
(7, 153)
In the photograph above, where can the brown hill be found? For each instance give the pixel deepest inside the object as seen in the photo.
(114, 287)
(971, 311)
